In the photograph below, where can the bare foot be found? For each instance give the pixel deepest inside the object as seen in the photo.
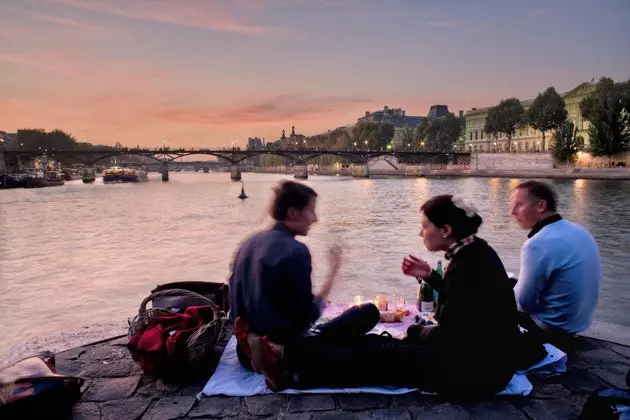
(276, 349)
(256, 356)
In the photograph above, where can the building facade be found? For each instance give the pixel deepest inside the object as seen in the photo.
(255, 143)
(8, 141)
(525, 139)
(395, 116)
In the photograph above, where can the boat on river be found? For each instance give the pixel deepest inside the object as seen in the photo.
(12, 180)
(117, 175)
(44, 179)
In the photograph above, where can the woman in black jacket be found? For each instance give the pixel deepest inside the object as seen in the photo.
(471, 352)
(477, 333)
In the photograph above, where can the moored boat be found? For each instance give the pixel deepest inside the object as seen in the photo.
(12, 181)
(89, 175)
(47, 179)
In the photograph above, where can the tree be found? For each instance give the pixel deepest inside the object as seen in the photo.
(377, 135)
(421, 132)
(442, 133)
(408, 138)
(505, 118)
(608, 111)
(547, 112)
(566, 142)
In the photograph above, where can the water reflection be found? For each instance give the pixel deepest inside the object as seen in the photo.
(98, 249)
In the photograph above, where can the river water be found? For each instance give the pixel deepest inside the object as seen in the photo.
(76, 261)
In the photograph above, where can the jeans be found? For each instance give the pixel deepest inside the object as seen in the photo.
(345, 328)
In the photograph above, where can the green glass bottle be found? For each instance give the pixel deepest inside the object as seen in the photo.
(427, 297)
(440, 271)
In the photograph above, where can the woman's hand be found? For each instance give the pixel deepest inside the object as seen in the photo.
(415, 267)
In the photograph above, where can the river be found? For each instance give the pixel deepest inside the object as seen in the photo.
(76, 260)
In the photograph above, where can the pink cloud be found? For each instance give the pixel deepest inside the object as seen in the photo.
(44, 60)
(69, 23)
(196, 14)
(275, 110)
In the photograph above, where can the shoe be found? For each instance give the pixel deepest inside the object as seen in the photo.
(245, 339)
(277, 378)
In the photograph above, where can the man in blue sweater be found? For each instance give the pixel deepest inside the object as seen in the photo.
(560, 271)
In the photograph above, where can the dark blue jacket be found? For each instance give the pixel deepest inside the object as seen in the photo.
(270, 285)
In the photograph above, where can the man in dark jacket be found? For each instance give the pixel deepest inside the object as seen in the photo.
(270, 286)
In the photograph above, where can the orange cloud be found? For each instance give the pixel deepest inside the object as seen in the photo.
(196, 14)
(275, 110)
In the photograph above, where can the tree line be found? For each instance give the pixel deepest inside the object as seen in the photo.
(607, 109)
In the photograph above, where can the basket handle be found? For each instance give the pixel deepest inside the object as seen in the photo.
(172, 292)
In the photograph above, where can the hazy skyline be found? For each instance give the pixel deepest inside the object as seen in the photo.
(207, 73)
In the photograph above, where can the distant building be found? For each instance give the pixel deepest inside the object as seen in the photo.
(525, 139)
(395, 116)
(255, 143)
(293, 140)
(8, 141)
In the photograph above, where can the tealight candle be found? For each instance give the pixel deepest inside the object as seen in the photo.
(381, 303)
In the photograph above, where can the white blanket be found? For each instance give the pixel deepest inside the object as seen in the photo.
(231, 379)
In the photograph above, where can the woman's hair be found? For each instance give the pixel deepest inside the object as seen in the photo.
(289, 194)
(460, 216)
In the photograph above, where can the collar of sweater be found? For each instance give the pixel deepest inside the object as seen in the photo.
(538, 226)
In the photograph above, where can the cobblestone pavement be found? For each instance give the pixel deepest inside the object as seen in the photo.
(116, 389)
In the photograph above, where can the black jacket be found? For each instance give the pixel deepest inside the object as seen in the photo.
(478, 335)
(270, 285)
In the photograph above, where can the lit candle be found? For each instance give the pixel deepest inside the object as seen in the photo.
(358, 300)
(381, 303)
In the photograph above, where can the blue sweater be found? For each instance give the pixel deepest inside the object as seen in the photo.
(560, 276)
(270, 285)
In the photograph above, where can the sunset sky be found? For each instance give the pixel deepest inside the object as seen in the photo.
(210, 72)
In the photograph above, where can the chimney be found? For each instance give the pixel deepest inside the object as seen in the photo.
(367, 113)
(404, 112)
(386, 108)
(461, 113)
(474, 109)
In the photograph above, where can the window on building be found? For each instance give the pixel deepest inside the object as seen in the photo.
(471, 136)
(481, 134)
(476, 135)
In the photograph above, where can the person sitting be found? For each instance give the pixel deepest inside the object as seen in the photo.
(270, 284)
(471, 352)
(560, 273)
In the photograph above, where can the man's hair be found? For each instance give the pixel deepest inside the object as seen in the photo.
(541, 191)
(289, 194)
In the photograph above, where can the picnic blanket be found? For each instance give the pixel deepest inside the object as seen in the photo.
(231, 379)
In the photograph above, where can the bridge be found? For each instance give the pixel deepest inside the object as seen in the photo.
(234, 157)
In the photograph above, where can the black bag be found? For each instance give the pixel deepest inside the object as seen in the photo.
(219, 293)
(32, 389)
(607, 403)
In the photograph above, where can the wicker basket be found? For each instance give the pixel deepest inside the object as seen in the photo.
(201, 343)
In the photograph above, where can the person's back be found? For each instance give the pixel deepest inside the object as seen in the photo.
(271, 285)
(560, 275)
(565, 260)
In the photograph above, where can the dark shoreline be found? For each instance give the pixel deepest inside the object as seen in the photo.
(591, 174)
